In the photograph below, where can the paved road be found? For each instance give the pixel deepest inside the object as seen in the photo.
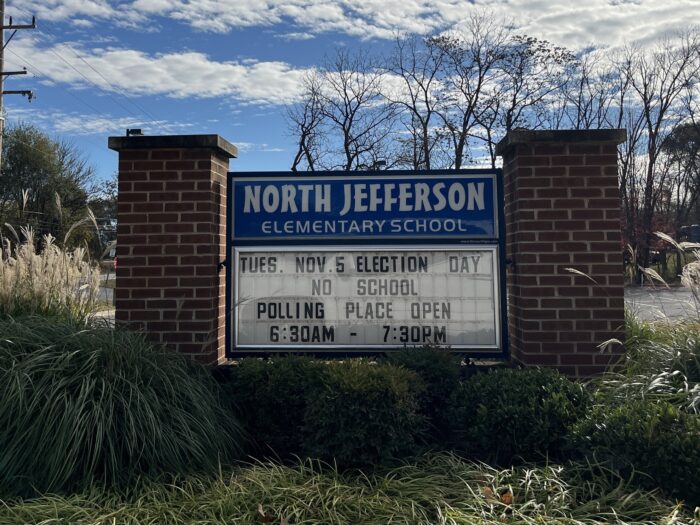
(661, 303)
(105, 294)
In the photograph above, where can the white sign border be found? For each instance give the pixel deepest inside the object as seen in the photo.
(265, 348)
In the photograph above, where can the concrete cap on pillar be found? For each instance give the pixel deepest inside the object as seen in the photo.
(529, 136)
(214, 142)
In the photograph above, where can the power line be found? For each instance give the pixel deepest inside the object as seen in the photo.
(153, 119)
(39, 73)
(118, 102)
(119, 90)
(37, 70)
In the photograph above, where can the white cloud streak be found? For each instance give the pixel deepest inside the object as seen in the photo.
(574, 24)
(85, 124)
(180, 75)
(254, 146)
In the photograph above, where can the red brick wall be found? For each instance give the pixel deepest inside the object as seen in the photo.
(562, 206)
(171, 239)
(562, 211)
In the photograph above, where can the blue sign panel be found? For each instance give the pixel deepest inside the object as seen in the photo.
(371, 206)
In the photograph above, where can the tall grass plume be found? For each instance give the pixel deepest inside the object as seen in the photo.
(48, 281)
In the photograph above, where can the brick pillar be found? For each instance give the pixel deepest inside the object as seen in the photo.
(171, 239)
(562, 207)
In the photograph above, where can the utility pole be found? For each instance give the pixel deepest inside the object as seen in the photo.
(24, 92)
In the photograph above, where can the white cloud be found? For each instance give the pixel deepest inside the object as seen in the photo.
(598, 22)
(83, 22)
(61, 10)
(254, 146)
(192, 74)
(295, 36)
(97, 125)
(604, 22)
(85, 124)
(179, 75)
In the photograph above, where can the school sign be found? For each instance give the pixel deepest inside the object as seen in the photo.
(341, 263)
(216, 265)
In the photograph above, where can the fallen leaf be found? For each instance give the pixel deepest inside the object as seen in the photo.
(507, 497)
(264, 517)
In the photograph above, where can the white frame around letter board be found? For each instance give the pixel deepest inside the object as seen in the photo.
(264, 348)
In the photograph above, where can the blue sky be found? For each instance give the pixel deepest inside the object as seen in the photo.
(231, 66)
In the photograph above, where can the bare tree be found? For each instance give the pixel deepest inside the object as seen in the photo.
(658, 80)
(522, 88)
(680, 158)
(418, 67)
(305, 120)
(588, 93)
(471, 58)
(357, 119)
(531, 71)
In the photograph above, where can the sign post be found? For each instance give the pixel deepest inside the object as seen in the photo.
(348, 264)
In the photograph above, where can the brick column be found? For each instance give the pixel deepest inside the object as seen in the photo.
(562, 207)
(171, 239)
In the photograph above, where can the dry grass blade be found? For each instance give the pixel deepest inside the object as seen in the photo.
(25, 199)
(582, 274)
(91, 218)
(12, 231)
(74, 227)
(59, 206)
(605, 345)
(653, 276)
(108, 248)
(665, 237)
(629, 267)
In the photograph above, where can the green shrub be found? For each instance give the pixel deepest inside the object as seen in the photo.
(363, 414)
(86, 404)
(440, 372)
(509, 413)
(653, 437)
(270, 399)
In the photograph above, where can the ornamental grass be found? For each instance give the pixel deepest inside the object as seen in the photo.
(85, 404)
(434, 489)
(50, 281)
